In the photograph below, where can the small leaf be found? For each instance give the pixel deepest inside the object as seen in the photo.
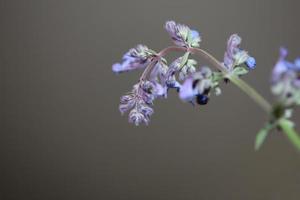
(189, 37)
(184, 59)
(288, 128)
(240, 71)
(217, 76)
(262, 135)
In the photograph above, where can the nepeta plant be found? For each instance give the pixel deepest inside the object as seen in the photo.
(198, 85)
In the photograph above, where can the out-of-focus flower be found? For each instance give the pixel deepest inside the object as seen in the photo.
(182, 35)
(135, 58)
(139, 100)
(198, 86)
(236, 57)
(286, 80)
(251, 63)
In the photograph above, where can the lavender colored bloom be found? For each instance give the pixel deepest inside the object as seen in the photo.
(284, 68)
(135, 58)
(234, 56)
(159, 71)
(170, 77)
(139, 100)
(198, 86)
(251, 63)
(286, 80)
(137, 117)
(182, 35)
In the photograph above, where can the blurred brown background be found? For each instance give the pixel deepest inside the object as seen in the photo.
(62, 136)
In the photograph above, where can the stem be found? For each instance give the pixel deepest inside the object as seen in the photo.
(252, 93)
(209, 58)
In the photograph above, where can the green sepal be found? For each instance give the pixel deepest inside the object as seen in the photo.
(184, 59)
(217, 76)
(239, 71)
(189, 38)
(192, 42)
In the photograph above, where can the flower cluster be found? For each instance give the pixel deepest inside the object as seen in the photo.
(158, 77)
(286, 80)
(198, 86)
(286, 87)
(135, 58)
(181, 67)
(236, 58)
(139, 100)
(182, 35)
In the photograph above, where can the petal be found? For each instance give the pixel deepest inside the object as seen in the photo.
(251, 63)
(187, 92)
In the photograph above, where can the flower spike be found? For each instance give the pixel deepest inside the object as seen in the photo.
(182, 35)
(234, 56)
(135, 58)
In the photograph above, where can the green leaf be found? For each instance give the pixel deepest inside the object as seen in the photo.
(184, 59)
(238, 71)
(217, 76)
(189, 37)
(262, 135)
(287, 127)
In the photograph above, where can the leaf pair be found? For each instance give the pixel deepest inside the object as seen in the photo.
(283, 124)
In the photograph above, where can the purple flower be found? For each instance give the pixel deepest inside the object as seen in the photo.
(139, 100)
(182, 35)
(135, 58)
(283, 67)
(251, 63)
(198, 86)
(286, 80)
(170, 77)
(234, 56)
(159, 71)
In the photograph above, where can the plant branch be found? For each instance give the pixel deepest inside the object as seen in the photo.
(252, 93)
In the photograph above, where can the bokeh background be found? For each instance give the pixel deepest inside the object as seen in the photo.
(62, 136)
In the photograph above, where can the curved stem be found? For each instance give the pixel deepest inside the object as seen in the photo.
(209, 58)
